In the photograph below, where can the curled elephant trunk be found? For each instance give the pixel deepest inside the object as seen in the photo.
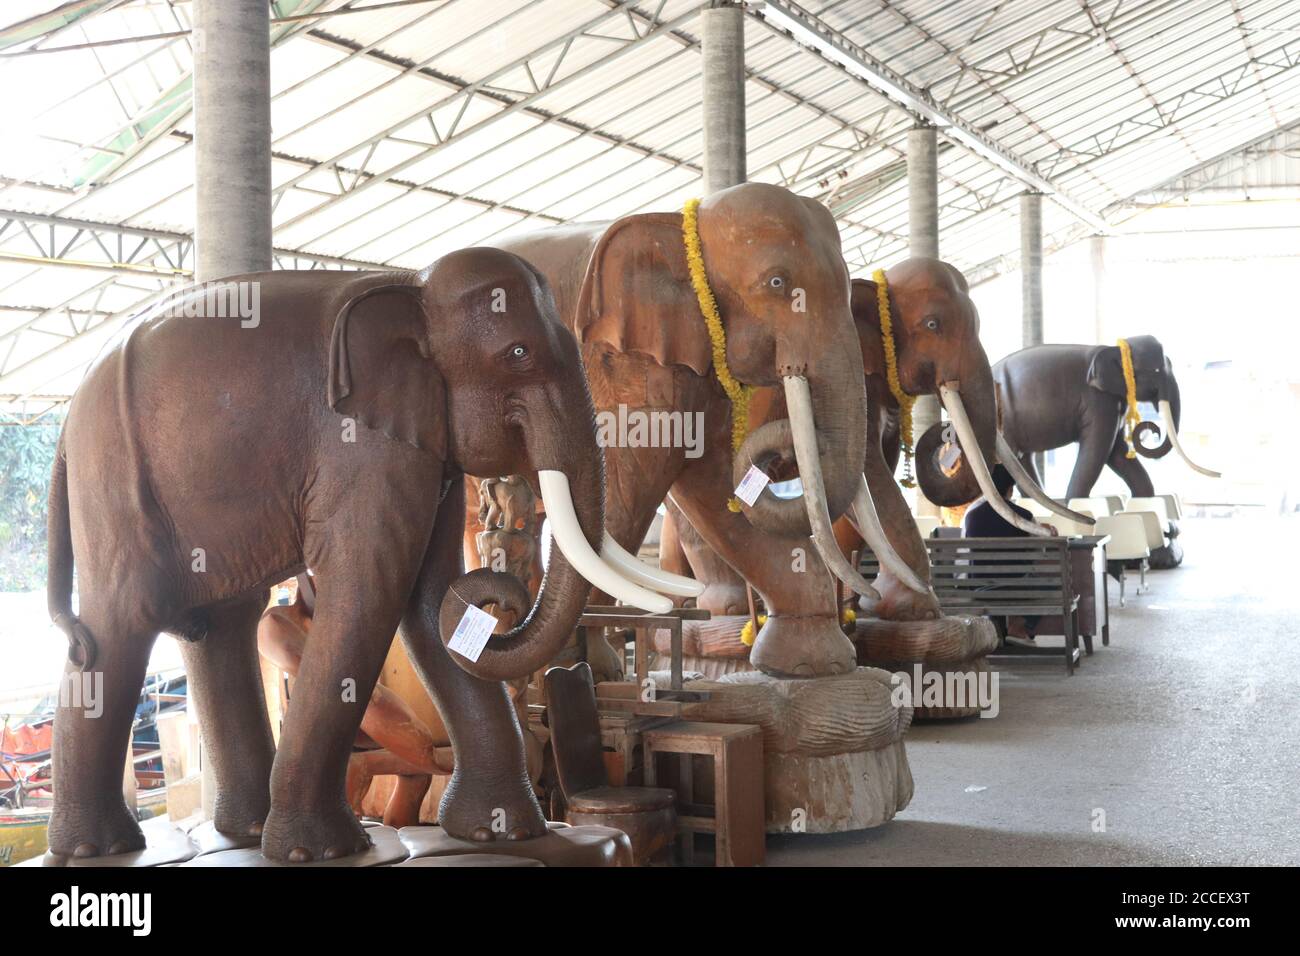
(573, 567)
(947, 480)
(799, 432)
(1030, 488)
(952, 402)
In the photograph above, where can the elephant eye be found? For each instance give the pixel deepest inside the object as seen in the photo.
(932, 324)
(777, 282)
(519, 351)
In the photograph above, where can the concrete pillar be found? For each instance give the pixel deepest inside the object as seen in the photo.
(724, 97)
(232, 137)
(232, 157)
(923, 192)
(1031, 283)
(1097, 248)
(923, 240)
(1031, 269)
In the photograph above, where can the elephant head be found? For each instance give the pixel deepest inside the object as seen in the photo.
(1153, 374)
(470, 362)
(774, 264)
(935, 327)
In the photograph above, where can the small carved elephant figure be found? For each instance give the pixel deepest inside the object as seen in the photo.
(507, 503)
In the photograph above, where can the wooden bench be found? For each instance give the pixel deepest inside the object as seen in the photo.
(1006, 577)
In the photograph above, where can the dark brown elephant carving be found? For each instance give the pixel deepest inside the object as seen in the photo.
(202, 461)
(1056, 395)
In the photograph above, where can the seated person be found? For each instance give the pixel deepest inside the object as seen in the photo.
(981, 521)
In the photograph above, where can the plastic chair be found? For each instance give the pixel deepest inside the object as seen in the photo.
(1128, 544)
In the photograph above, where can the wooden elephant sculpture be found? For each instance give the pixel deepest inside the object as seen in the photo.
(331, 432)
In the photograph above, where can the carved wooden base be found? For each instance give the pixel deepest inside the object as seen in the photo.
(562, 846)
(951, 652)
(420, 845)
(833, 749)
(386, 850)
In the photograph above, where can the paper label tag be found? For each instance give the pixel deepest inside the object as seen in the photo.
(472, 633)
(752, 485)
(950, 456)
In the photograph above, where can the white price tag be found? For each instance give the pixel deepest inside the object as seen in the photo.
(752, 485)
(472, 633)
(950, 456)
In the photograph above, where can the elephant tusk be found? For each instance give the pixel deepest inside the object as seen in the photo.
(798, 398)
(573, 544)
(638, 572)
(1167, 414)
(974, 457)
(873, 532)
(1031, 488)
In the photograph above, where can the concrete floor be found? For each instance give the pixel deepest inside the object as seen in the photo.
(1185, 731)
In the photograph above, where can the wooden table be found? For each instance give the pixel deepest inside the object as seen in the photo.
(738, 813)
(1087, 556)
(643, 624)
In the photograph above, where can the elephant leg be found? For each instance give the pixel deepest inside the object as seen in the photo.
(361, 593)
(1027, 462)
(92, 731)
(489, 794)
(225, 682)
(1096, 437)
(802, 636)
(1130, 470)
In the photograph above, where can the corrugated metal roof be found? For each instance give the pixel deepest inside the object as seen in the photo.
(407, 131)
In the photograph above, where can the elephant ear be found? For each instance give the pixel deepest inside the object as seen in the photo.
(1106, 371)
(381, 371)
(637, 294)
(866, 316)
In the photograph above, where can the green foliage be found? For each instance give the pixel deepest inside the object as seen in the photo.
(26, 456)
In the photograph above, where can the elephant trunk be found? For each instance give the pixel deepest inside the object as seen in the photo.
(957, 483)
(575, 505)
(1170, 394)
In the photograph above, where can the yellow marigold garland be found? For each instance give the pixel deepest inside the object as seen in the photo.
(847, 617)
(1132, 417)
(738, 393)
(905, 401)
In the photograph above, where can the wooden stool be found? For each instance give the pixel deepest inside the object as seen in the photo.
(738, 815)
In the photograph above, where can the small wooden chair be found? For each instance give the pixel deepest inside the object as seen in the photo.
(646, 814)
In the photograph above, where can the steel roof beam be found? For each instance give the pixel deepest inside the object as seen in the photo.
(809, 31)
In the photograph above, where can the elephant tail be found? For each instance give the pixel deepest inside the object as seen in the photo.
(81, 646)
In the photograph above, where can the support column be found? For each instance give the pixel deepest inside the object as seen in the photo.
(232, 158)
(923, 240)
(1031, 282)
(1097, 247)
(232, 137)
(724, 97)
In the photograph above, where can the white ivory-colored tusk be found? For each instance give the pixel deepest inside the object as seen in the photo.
(1167, 413)
(873, 532)
(638, 572)
(573, 544)
(798, 398)
(1029, 487)
(951, 399)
